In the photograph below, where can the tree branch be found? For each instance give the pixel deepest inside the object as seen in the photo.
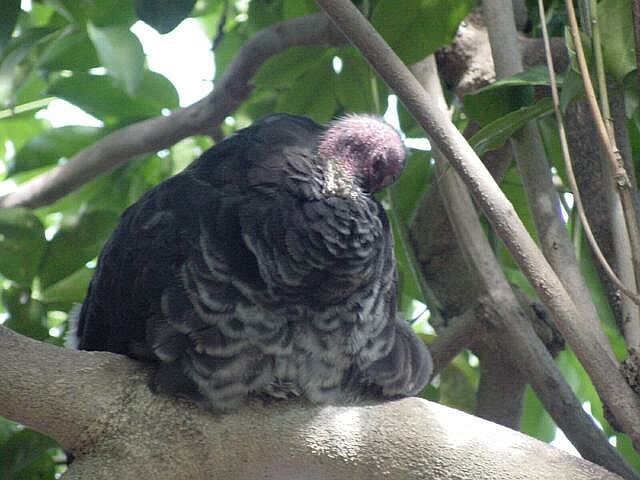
(517, 353)
(161, 132)
(96, 403)
(591, 347)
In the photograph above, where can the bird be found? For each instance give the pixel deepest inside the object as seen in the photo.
(264, 269)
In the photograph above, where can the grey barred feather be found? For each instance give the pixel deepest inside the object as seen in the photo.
(265, 268)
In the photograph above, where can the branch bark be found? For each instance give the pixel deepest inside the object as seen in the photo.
(202, 117)
(97, 405)
(592, 349)
(516, 352)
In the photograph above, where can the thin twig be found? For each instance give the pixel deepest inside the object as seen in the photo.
(569, 167)
(591, 347)
(611, 152)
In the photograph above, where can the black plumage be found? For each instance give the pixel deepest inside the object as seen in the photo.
(264, 268)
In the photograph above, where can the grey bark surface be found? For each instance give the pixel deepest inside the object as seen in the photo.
(99, 407)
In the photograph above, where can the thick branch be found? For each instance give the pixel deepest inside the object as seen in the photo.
(127, 432)
(517, 354)
(204, 116)
(592, 350)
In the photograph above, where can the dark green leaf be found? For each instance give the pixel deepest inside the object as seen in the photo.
(69, 290)
(312, 94)
(97, 95)
(409, 189)
(71, 51)
(494, 134)
(53, 145)
(163, 15)
(9, 11)
(354, 84)
(22, 244)
(282, 70)
(417, 28)
(78, 241)
(21, 457)
(506, 95)
(264, 13)
(26, 314)
(121, 53)
(536, 75)
(298, 8)
(99, 12)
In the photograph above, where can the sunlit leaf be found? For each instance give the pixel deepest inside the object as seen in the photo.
(121, 53)
(97, 95)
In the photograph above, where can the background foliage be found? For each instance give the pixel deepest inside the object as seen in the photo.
(84, 52)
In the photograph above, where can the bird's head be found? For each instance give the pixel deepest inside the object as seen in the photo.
(362, 151)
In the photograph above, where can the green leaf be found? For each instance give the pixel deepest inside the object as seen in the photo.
(409, 189)
(97, 95)
(312, 94)
(163, 15)
(354, 83)
(489, 103)
(78, 241)
(27, 315)
(15, 65)
(22, 244)
(283, 69)
(226, 50)
(494, 134)
(535, 420)
(22, 455)
(417, 28)
(514, 190)
(457, 389)
(536, 75)
(53, 145)
(616, 27)
(99, 12)
(121, 53)
(264, 13)
(9, 12)
(71, 51)
(69, 290)
(298, 8)
(572, 88)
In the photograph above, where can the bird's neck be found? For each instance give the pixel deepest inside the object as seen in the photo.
(339, 178)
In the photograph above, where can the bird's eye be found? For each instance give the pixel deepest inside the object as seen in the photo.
(378, 163)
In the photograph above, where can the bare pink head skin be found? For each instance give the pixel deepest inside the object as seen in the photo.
(364, 150)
